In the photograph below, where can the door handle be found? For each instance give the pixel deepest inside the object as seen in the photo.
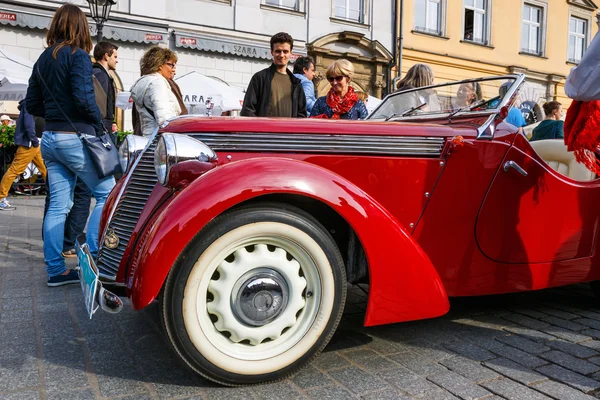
(514, 165)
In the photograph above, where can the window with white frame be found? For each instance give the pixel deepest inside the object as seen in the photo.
(289, 4)
(578, 28)
(428, 16)
(531, 30)
(476, 16)
(352, 10)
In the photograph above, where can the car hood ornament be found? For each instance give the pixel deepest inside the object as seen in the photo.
(111, 240)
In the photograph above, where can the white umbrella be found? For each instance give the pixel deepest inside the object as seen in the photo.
(372, 103)
(197, 89)
(14, 76)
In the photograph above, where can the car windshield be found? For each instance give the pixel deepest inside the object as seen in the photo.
(449, 98)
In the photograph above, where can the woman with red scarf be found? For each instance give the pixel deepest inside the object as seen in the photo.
(582, 125)
(341, 102)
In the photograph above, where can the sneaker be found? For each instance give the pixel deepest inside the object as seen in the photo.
(69, 253)
(5, 206)
(59, 280)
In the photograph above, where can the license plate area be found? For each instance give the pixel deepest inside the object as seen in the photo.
(88, 277)
(94, 295)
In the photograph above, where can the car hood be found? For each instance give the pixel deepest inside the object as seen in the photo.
(191, 124)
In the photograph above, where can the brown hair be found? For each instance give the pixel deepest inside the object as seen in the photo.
(282, 37)
(155, 57)
(103, 48)
(69, 27)
(550, 106)
(301, 63)
(418, 75)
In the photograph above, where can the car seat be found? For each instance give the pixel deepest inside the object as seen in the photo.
(554, 152)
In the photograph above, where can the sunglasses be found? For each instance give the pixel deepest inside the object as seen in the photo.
(335, 78)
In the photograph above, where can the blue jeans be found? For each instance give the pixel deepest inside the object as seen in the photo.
(78, 216)
(66, 159)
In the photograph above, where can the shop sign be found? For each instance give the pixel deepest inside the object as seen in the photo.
(154, 37)
(187, 41)
(12, 96)
(8, 16)
(193, 99)
(245, 50)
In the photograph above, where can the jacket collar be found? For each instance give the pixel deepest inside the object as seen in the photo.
(301, 77)
(98, 65)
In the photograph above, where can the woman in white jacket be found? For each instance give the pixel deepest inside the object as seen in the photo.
(154, 100)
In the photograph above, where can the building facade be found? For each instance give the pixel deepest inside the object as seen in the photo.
(226, 39)
(463, 39)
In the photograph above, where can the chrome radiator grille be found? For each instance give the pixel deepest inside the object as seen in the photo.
(128, 211)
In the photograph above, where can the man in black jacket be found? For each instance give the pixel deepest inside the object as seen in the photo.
(105, 54)
(275, 91)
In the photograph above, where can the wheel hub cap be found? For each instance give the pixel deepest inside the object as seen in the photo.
(256, 294)
(259, 297)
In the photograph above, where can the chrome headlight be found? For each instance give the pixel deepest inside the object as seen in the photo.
(173, 148)
(130, 148)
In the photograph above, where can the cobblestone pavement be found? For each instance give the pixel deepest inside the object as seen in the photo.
(537, 345)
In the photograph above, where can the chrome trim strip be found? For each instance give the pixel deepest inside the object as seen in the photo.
(311, 143)
(488, 129)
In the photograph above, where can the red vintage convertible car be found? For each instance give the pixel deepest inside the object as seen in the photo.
(247, 231)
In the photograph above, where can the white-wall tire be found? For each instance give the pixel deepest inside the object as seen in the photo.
(201, 301)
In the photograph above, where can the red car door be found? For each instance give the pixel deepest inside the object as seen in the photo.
(533, 214)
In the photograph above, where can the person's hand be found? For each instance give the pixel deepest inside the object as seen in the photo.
(35, 144)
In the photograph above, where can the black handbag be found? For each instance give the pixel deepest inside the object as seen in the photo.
(101, 149)
(103, 153)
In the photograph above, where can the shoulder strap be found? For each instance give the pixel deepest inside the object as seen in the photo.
(150, 112)
(37, 69)
(144, 105)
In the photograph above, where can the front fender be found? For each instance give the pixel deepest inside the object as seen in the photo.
(403, 283)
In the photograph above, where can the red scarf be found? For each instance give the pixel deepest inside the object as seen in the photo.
(582, 132)
(338, 105)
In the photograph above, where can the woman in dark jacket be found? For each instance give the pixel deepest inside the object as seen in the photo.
(341, 102)
(61, 88)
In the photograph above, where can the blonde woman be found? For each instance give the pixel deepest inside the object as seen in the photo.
(341, 102)
(152, 95)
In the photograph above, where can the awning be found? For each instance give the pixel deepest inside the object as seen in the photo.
(238, 47)
(113, 30)
(128, 32)
(25, 17)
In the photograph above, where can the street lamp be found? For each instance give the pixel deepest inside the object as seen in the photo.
(100, 10)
